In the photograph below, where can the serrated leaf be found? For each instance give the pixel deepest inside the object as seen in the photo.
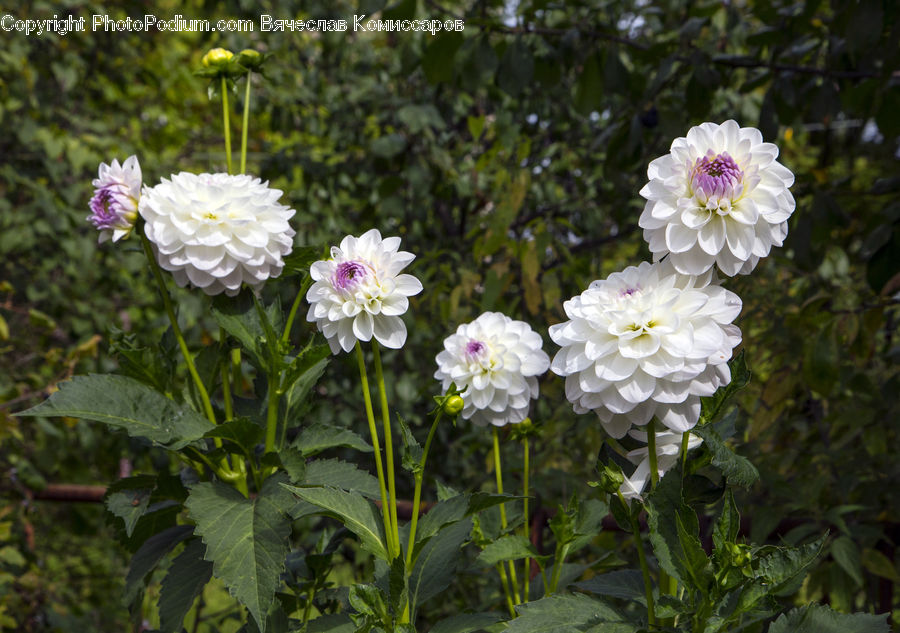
(880, 565)
(562, 613)
(125, 403)
(148, 555)
(737, 469)
(242, 432)
(627, 584)
(846, 554)
(184, 581)
(435, 566)
(816, 618)
(128, 499)
(340, 474)
(300, 259)
(239, 317)
(728, 524)
(783, 568)
(246, 539)
(338, 623)
(320, 437)
(714, 405)
(509, 547)
(412, 450)
(358, 515)
(466, 623)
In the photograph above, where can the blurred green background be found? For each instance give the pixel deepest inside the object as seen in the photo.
(508, 156)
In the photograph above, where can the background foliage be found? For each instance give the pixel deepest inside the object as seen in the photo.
(508, 157)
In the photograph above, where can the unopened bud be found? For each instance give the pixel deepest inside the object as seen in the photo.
(216, 57)
(250, 59)
(453, 405)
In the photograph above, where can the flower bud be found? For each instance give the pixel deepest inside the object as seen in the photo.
(611, 478)
(216, 57)
(453, 405)
(250, 59)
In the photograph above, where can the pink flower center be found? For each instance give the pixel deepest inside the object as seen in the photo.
(716, 175)
(348, 274)
(474, 349)
(627, 292)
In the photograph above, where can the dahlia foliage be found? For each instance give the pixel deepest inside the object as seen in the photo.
(495, 362)
(217, 231)
(718, 198)
(359, 293)
(646, 342)
(668, 447)
(114, 205)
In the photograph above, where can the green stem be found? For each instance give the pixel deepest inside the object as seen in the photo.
(246, 125)
(236, 375)
(685, 438)
(417, 495)
(499, 473)
(226, 382)
(271, 416)
(503, 580)
(651, 448)
(525, 524)
(370, 416)
(642, 559)
(308, 608)
(167, 303)
(293, 313)
(558, 561)
(388, 444)
(225, 124)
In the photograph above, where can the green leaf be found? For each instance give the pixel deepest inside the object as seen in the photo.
(184, 581)
(247, 540)
(358, 515)
(846, 554)
(714, 405)
(728, 524)
(338, 623)
(627, 584)
(339, 474)
(783, 568)
(822, 359)
(563, 613)
(435, 566)
(128, 499)
(509, 547)
(816, 618)
(674, 533)
(412, 450)
(127, 404)
(300, 259)
(302, 375)
(737, 469)
(149, 554)
(388, 146)
(589, 86)
(242, 432)
(516, 71)
(449, 511)
(320, 437)
(437, 61)
(398, 592)
(879, 564)
(466, 623)
(239, 317)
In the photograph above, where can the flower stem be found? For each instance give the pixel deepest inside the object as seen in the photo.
(417, 495)
(685, 438)
(246, 125)
(525, 523)
(388, 445)
(225, 125)
(272, 415)
(367, 398)
(651, 448)
(226, 382)
(499, 473)
(642, 559)
(293, 313)
(308, 608)
(167, 304)
(509, 601)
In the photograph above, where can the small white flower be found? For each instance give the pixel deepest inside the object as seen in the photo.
(359, 293)
(668, 447)
(646, 342)
(116, 193)
(495, 362)
(217, 231)
(718, 198)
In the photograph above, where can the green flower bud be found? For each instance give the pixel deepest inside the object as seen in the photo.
(611, 478)
(250, 59)
(453, 405)
(216, 57)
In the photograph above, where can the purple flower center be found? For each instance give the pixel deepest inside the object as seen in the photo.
(475, 348)
(104, 208)
(348, 274)
(628, 292)
(716, 175)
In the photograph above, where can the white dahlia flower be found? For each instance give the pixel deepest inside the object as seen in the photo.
(668, 447)
(495, 362)
(116, 193)
(646, 342)
(217, 231)
(359, 293)
(719, 197)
